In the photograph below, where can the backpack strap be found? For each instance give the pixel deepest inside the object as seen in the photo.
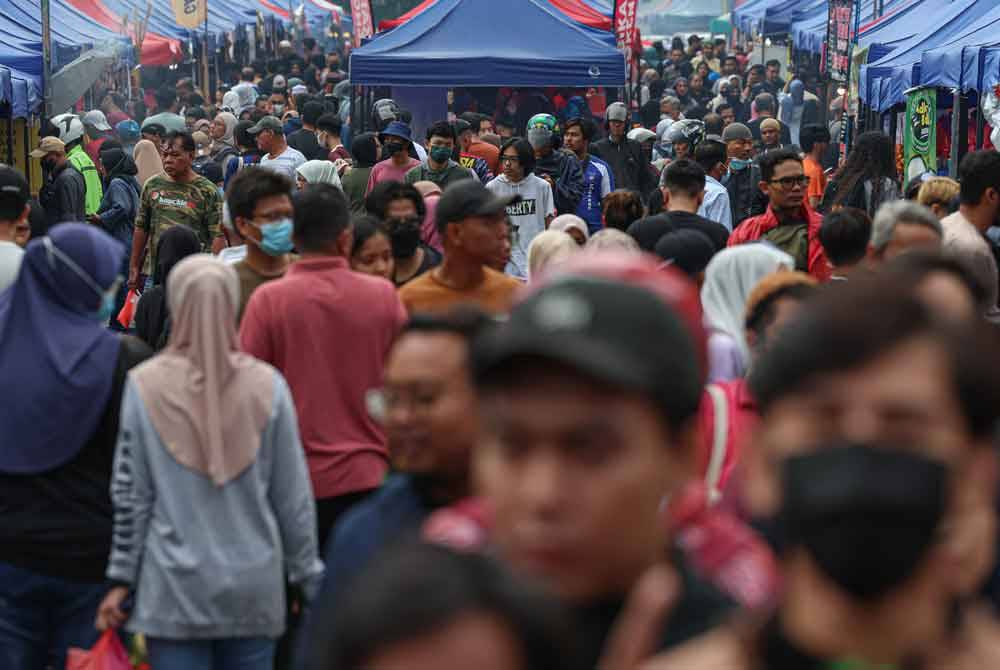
(720, 435)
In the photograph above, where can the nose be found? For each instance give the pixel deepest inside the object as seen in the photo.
(541, 486)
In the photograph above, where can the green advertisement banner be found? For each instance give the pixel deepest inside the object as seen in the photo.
(920, 137)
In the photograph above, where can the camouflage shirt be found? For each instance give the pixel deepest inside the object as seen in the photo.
(167, 203)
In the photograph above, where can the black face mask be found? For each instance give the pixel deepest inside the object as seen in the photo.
(866, 514)
(48, 165)
(404, 236)
(390, 149)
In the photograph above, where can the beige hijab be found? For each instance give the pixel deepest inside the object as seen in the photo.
(147, 159)
(209, 402)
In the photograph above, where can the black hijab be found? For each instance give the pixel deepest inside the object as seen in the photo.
(152, 316)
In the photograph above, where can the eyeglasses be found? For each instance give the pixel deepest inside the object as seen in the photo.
(510, 159)
(792, 182)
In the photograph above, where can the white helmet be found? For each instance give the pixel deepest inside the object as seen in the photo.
(70, 127)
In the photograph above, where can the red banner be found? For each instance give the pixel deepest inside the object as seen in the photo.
(625, 15)
(361, 14)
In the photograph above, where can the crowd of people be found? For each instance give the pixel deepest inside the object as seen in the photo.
(548, 387)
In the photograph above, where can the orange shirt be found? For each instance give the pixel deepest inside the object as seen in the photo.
(487, 152)
(817, 178)
(426, 293)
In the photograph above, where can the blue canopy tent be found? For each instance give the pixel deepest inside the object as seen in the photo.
(778, 18)
(910, 18)
(445, 45)
(162, 20)
(959, 64)
(808, 30)
(884, 81)
(748, 16)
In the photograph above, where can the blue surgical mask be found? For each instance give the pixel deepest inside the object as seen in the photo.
(108, 295)
(738, 164)
(276, 237)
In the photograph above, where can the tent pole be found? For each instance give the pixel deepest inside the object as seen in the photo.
(46, 59)
(959, 132)
(980, 122)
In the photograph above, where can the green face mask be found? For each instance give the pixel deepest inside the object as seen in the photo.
(440, 154)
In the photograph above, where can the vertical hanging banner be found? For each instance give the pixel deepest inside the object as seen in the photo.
(838, 39)
(920, 138)
(190, 14)
(625, 18)
(361, 14)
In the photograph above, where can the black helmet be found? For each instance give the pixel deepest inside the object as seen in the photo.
(691, 131)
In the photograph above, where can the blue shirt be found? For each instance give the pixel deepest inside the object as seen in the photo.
(598, 181)
(715, 206)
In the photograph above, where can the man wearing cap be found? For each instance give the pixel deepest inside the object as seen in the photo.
(14, 210)
(767, 109)
(128, 133)
(624, 155)
(589, 427)
(746, 200)
(396, 140)
(278, 156)
(62, 197)
(96, 125)
(472, 223)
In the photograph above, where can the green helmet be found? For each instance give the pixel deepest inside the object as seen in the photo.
(543, 121)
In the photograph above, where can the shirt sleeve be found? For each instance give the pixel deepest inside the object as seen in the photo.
(142, 218)
(549, 207)
(213, 214)
(132, 491)
(291, 494)
(607, 180)
(255, 336)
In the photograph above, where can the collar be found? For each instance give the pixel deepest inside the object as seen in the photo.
(317, 264)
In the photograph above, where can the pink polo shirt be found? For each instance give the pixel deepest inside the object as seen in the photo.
(329, 330)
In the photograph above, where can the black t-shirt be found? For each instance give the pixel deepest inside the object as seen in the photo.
(59, 522)
(647, 232)
(432, 259)
(306, 143)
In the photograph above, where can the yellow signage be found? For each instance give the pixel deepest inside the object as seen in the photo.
(190, 13)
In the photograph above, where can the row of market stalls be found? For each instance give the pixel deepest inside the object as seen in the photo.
(918, 67)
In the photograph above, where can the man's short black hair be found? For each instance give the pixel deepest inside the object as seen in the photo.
(979, 171)
(187, 140)
(774, 62)
(812, 134)
(525, 154)
(321, 215)
(758, 68)
(246, 74)
(165, 98)
(864, 319)
(15, 194)
(154, 129)
(586, 126)
(845, 235)
(720, 108)
(731, 58)
(311, 112)
(710, 153)
(684, 177)
(195, 100)
(465, 321)
(764, 311)
(330, 123)
(384, 192)
(474, 119)
(441, 129)
(772, 159)
(195, 113)
(714, 125)
(251, 185)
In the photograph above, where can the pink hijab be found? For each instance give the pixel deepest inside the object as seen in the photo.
(431, 193)
(209, 402)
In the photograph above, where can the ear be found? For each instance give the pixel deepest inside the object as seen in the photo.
(765, 188)
(345, 241)
(25, 213)
(666, 196)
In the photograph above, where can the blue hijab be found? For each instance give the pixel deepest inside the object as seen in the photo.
(55, 357)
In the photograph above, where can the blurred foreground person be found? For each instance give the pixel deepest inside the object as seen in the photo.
(209, 472)
(901, 226)
(423, 607)
(58, 442)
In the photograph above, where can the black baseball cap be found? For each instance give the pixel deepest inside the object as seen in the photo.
(613, 330)
(13, 188)
(469, 197)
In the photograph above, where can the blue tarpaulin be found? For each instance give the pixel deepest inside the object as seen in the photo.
(449, 44)
(778, 18)
(748, 16)
(883, 82)
(895, 27)
(808, 26)
(958, 64)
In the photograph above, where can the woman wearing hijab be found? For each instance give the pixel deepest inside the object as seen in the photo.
(65, 372)
(147, 161)
(223, 147)
(354, 182)
(152, 317)
(317, 172)
(729, 278)
(213, 505)
(572, 225)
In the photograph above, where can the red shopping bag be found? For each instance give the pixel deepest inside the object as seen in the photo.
(126, 317)
(107, 654)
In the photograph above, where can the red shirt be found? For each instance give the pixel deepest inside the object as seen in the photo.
(742, 417)
(328, 330)
(754, 228)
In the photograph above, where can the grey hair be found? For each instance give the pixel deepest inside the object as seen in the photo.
(672, 100)
(891, 214)
(612, 239)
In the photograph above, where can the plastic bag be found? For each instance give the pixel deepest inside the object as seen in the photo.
(126, 317)
(107, 654)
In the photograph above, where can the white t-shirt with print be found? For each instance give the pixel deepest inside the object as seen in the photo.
(526, 217)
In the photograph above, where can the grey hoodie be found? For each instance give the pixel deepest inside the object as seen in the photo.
(210, 561)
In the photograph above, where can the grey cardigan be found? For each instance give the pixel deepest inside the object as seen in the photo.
(209, 562)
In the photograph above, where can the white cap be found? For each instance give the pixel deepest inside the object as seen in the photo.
(299, 89)
(284, 44)
(616, 111)
(641, 135)
(279, 81)
(96, 118)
